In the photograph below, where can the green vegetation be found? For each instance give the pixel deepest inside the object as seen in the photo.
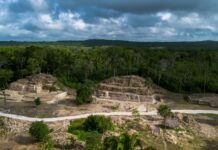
(179, 67)
(48, 144)
(136, 115)
(179, 130)
(90, 130)
(5, 77)
(52, 88)
(37, 101)
(98, 123)
(84, 94)
(39, 131)
(2, 127)
(185, 68)
(164, 111)
(186, 98)
(122, 142)
(93, 141)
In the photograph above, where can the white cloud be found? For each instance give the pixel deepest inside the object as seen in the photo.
(48, 23)
(165, 16)
(52, 20)
(194, 20)
(3, 13)
(39, 5)
(79, 25)
(73, 20)
(163, 31)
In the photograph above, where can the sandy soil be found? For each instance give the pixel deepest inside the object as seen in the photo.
(69, 107)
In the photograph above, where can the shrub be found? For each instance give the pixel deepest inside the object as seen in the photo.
(136, 114)
(93, 143)
(111, 142)
(2, 127)
(124, 141)
(37, 101)
(84, 94)
(76, 128)
(186, 98)
(157, 98)
(98, 123)
(52, 88)
(48, 144)
(164, 111)
(75, 125)
(39, 131)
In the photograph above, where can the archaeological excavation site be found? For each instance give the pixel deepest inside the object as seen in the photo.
(41, 86)
(126, 88)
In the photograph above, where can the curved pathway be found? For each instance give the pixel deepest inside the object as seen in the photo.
(54, 119)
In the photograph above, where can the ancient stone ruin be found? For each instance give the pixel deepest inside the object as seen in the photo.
(34, 83)
(125, 88)
(44, 86)
(204, 99)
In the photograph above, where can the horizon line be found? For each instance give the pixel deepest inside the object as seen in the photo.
(53, 41)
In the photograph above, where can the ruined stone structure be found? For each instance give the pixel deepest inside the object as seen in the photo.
(204, 99)
(125, 88)
(44, 86)
(33, 84)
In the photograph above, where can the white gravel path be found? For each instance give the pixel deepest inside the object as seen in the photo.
(54, 119)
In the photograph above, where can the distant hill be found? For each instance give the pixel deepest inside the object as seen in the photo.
(210, 45)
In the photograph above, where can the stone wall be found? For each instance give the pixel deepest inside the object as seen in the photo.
(11, 96)
(123, 96)
(131, 81)
(210, 101)
(15, 126)
(57, 97)
(34, 83)
(128, 89)
(125, 88)
(19, 126)
(44, 86)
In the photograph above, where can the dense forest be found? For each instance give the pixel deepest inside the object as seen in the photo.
(187, 70)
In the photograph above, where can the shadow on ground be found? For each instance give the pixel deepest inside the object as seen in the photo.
(210, 145)
(24, 140)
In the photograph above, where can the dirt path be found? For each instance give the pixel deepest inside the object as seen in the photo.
(24, 118)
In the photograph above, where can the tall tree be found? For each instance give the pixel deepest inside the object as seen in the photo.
(5, 77)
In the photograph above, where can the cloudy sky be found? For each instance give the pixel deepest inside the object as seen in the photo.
(135, 20)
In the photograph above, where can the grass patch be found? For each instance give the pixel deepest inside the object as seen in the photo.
(82, 135)
(2, 127)
(92, 138)
(76, 128)
(93, 141)
(179, 130)
(195, 141)
(76, 125)
(91, 130)
(210, 115)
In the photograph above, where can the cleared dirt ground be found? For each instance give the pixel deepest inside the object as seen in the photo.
(69, 107)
